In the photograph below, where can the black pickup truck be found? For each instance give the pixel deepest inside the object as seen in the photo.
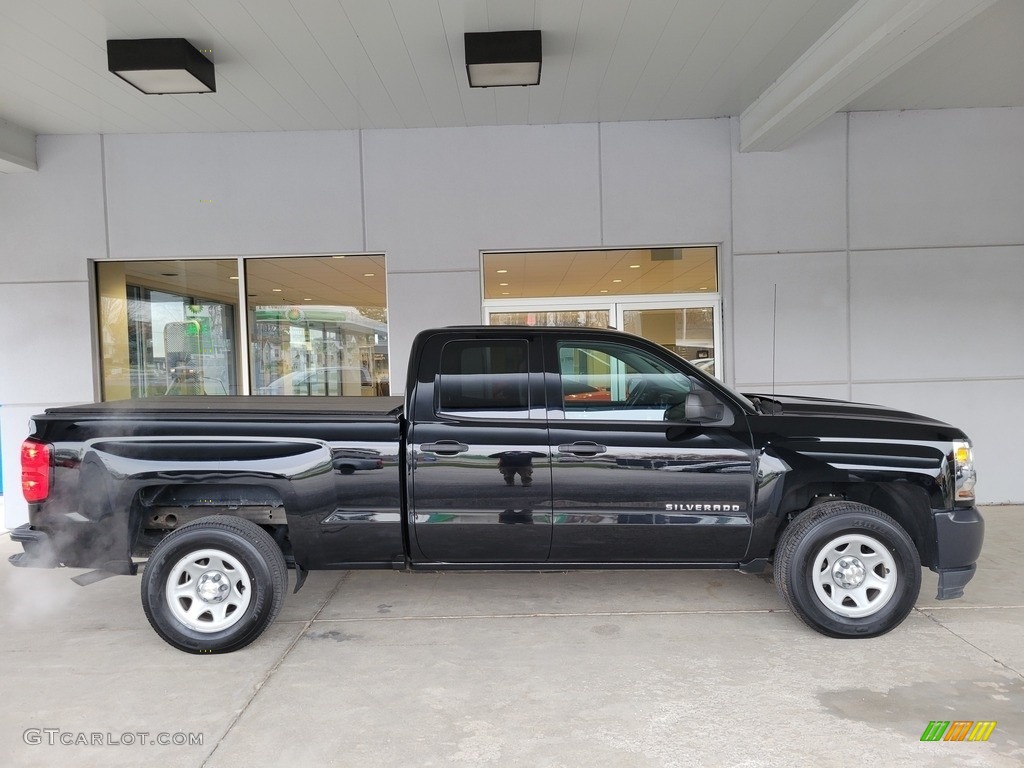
(514, 448)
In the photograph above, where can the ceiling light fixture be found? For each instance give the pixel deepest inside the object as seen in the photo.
(634, 266)
(276, 290)
(502, 271)
(161, 65)
(369, 274)
(495, 59)
(616, 281)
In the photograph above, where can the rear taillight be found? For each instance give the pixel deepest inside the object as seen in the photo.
(35, 470)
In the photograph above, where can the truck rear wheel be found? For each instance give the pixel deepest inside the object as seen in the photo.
(214, 585)
(848, 570)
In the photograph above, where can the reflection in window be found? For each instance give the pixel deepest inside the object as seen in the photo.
(318, 326)
(610, 381)
(565, 318)
(167, 328)
(689, 332)
(484, 379)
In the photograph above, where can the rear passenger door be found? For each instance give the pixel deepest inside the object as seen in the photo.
(633, 481)
(480, 465)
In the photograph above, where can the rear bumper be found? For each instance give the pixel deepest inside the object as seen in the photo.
(38, 548)
(959, 535)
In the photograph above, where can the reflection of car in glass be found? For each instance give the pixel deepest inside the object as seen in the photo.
(348, 460)
(318, 381)
(187, 381)
(706, 364)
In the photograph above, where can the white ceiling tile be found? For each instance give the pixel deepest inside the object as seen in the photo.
(346, 64)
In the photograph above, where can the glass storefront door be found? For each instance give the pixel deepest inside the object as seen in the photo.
(691, 331)
(669, 295)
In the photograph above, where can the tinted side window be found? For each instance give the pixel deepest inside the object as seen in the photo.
(486, 379)
(612, 381)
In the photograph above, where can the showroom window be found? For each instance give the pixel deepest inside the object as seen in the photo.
(668, 295)
(312, 326)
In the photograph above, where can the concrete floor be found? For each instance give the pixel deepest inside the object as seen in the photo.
(652, 668)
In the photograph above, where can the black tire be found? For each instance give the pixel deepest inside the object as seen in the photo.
(242, 574)
(848, 570)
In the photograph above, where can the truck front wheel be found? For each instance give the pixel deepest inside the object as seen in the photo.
(848, 570)
(214, 585)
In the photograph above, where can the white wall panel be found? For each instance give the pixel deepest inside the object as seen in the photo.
(232, 194)
(436, 197)
(942, 313)
(45, 343)
(427, 300)
(794, 200)
(51, 220)
(810, 320)
(936, 177)
(990, 412)
(665, 182)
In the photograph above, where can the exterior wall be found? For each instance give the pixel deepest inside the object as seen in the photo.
(895, 243)
(889, 244)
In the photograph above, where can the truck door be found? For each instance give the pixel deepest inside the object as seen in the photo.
(632, 480)
(480, 467)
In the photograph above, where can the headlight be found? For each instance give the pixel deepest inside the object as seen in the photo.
(965, 476)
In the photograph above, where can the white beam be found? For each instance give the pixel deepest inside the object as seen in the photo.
(17, 148)
(873, 40)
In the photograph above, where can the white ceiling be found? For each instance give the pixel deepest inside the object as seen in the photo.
(289, 65)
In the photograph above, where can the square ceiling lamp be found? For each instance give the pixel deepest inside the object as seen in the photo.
(496, 59)
(161, 65)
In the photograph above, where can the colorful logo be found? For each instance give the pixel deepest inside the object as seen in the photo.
(958, 730)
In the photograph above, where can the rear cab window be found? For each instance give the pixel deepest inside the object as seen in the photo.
(484, 378)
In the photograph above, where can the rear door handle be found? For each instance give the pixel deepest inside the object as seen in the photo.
(444, 448)
(582, 448)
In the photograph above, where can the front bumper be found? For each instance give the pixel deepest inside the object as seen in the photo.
(959, 535)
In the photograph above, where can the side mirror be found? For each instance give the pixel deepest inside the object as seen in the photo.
(701, 407)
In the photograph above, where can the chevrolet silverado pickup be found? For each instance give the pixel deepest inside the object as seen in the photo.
(513, 448)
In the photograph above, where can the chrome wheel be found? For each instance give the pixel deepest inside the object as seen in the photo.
(208, 590)
(854, 575)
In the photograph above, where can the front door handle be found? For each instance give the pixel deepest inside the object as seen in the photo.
(444, 448)
(583, 448)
